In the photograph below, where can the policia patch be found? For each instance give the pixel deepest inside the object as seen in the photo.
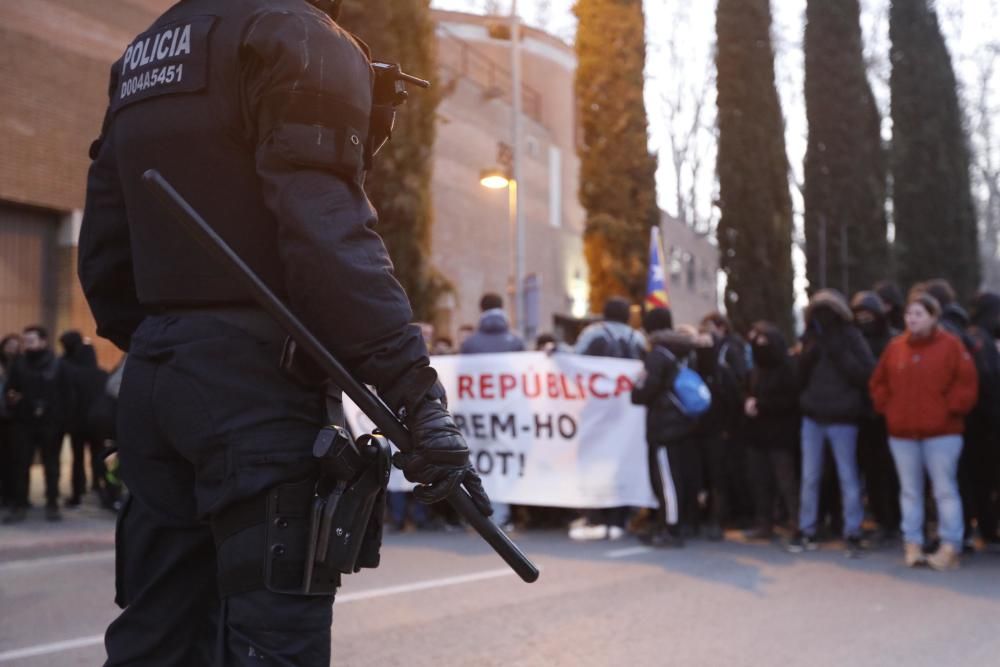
(171, 58)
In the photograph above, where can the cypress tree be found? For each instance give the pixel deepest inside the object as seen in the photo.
(617, 172)
(755, 229)
(933, 209)
(399, 185)
(845, 166)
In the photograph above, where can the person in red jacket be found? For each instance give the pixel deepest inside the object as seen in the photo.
(925, 383)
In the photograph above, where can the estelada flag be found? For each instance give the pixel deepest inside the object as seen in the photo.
(656, 284)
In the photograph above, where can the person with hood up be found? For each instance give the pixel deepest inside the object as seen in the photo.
(40, 397)
(834, 368)
(672, 449)
(493, 334)
(983, 424)
(894, 302)
(611, 337)
(722, 363)
(925, 384)
(88, 380)
(881, 483)
(975, 478)
(10, 348)
(773, 423)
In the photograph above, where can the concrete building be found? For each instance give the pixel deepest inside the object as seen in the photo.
(54, 61)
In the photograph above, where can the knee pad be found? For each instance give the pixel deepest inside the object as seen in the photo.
(263, 542)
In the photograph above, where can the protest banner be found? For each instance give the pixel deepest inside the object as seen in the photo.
(553, 430)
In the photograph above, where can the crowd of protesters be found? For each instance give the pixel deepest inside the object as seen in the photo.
(838, 434)
(879, 395)
(835, 434)
(45, 400)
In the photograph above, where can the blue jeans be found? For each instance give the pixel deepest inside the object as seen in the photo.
(843, 440)
(939, 457)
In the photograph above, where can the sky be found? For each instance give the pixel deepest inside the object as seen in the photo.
(683, 74)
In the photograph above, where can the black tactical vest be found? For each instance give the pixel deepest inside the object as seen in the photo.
(177, 106)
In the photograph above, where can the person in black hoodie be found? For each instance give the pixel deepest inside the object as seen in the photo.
(772, 418)
(40, 397)
(672, 455)
(983, 424)
(722, 364)
(88, 380)
(894, 302)
(877, 467)
(977, 474)
(834, 368)
(10, 347)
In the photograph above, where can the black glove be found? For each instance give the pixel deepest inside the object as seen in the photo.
(439, 460)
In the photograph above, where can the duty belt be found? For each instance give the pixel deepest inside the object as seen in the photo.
(250, 319)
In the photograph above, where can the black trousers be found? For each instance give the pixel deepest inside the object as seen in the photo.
(714, 449)
(27, 438)
(674, 474)
(81, 442)
(206, 419)
(979, 478)
(879, 470)
(7, 473)
(772, 474)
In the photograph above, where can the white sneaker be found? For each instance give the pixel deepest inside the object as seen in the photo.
(616, 533)
(587, 533)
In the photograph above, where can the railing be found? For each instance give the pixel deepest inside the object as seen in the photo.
(457, 56)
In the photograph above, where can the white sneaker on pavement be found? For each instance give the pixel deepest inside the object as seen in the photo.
(588, 533)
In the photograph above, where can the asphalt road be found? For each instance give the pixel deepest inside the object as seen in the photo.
(444, 599)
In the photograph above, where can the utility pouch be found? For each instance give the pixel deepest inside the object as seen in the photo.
(345, 531)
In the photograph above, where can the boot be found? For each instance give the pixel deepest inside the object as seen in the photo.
(52, 512)
(17, 515)
(913, 555)
(945, 558)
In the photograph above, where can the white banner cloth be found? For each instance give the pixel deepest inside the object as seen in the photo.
(557, 431)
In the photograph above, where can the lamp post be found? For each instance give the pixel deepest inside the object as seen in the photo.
(518, 214)
(496, 178)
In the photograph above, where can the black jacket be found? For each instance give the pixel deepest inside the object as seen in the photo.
(835, 364)
(87, 379)
(46, 391)
(258, 112)
(723, 367)
(664, 420)
(773, 383)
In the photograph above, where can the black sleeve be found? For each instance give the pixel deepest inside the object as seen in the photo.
(782, 397)
(659, 373)
(853, 357)
(308, 90)
(807, 359)
(105, 255)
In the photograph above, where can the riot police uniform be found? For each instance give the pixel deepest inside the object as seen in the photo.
(259, 112)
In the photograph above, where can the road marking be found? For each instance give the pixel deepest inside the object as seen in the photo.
(625, 553)
(84, 642)
(53, 647)
(71, 559)
(422, 585)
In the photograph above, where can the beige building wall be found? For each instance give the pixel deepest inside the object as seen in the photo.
(692, 270)
(54, 62)
(473, 236)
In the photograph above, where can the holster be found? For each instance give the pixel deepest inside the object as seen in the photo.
(345, 528)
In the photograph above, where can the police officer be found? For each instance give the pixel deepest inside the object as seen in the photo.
(259, 112)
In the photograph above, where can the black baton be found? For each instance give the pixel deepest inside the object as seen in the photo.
(377, 411)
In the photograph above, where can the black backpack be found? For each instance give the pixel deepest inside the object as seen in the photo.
(609, 345)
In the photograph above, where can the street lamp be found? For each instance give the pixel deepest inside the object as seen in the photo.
(496, 178)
